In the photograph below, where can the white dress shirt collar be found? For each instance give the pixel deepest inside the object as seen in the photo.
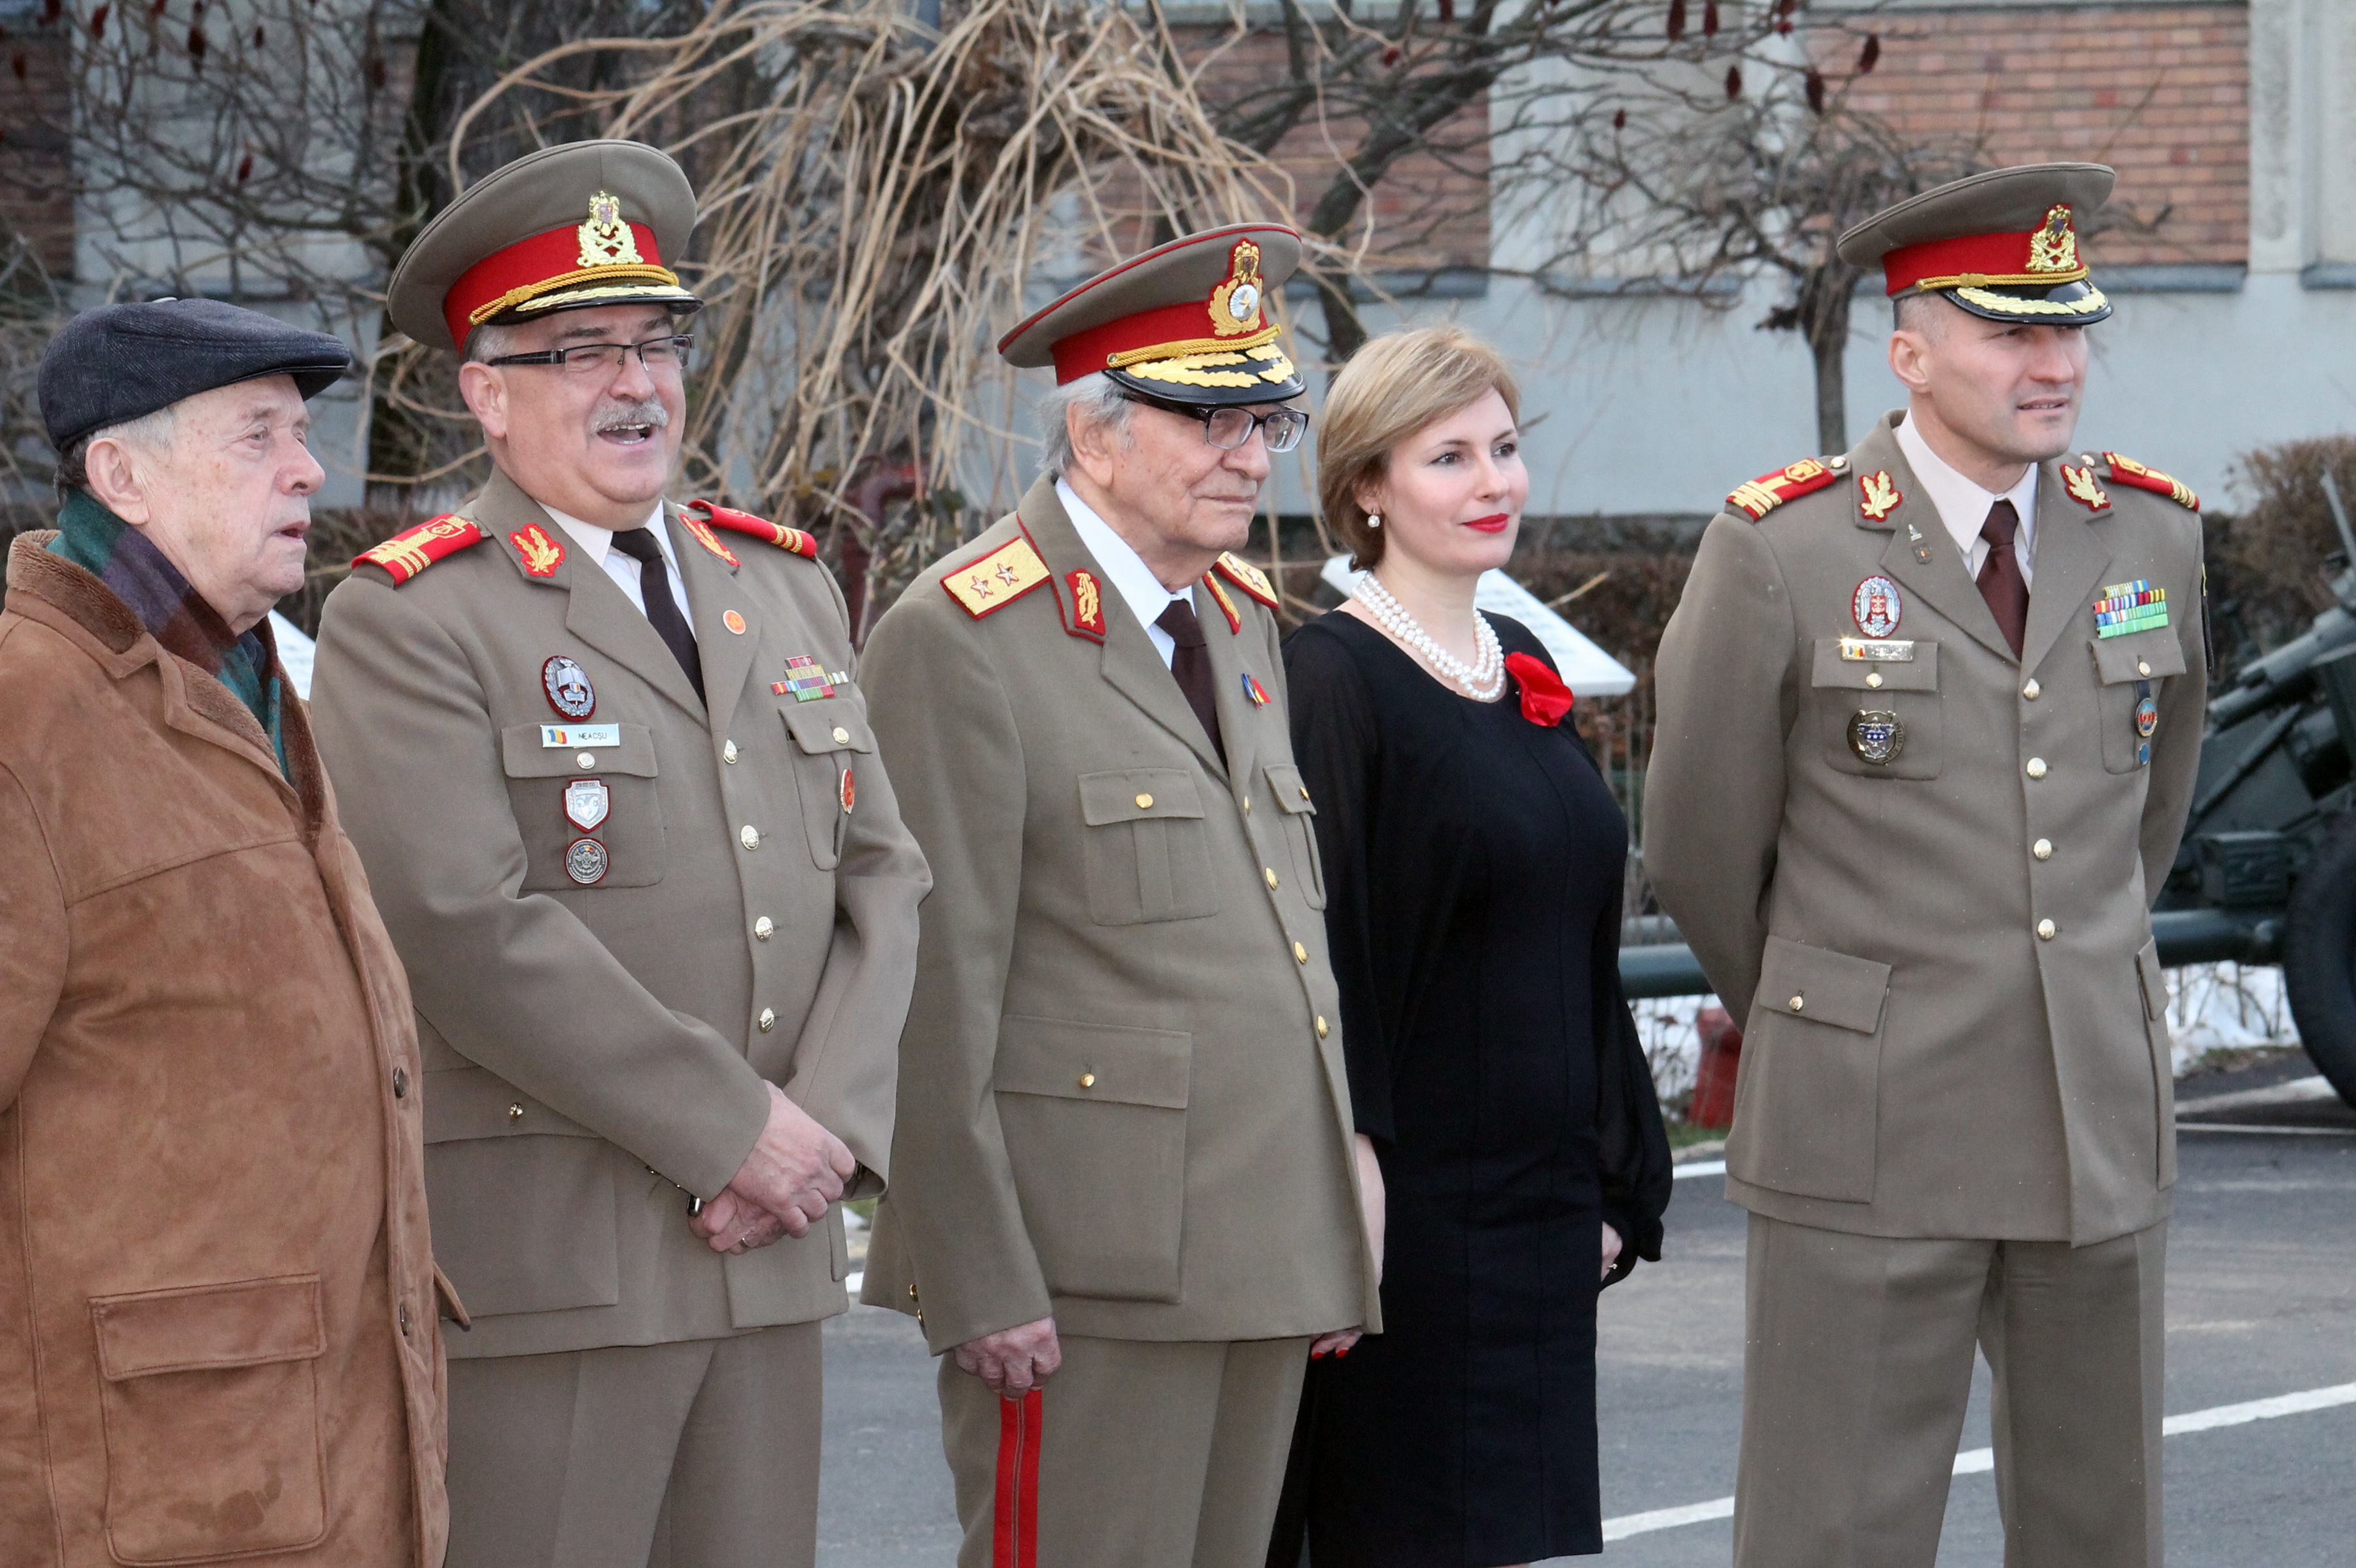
(597, 544)
(1124, 568)
(1964, 505)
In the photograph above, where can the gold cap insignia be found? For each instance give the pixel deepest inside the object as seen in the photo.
(2054, 247)
(1235, 304)
(606, 240)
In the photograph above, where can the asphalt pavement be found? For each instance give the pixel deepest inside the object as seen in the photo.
(2261, 1303)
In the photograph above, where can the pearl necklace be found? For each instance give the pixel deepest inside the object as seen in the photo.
(1481, 680)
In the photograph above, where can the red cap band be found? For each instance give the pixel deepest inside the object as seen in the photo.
(1085, 352)
(1971, 261)
(541, 264)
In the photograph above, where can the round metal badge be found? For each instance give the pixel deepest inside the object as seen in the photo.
(1876, 735)
(584, 862)
(568, 687)
(1877, 606)
(2147, 717)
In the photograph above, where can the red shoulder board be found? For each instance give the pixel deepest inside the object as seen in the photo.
(1248, 576)
(2127, 471)
(411, 550)
(1769, 491)
(998, 578)
(761, 528)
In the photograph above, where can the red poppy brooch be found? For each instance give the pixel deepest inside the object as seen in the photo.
(1545, 698)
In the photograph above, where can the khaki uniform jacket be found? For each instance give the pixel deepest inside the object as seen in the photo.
(219, 1325)
(1917, 1059)
(588, 1047)
(1122, 1098)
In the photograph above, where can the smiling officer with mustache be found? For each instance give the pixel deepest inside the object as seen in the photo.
(611, 774)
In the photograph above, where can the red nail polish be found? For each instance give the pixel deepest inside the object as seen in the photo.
(1343, 1351)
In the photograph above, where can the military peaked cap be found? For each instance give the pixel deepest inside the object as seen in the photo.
(2002, 244)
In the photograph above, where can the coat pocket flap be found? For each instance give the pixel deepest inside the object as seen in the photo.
(1920, 672)
(248, 1323)
(1138, 794)
(1094, 1062)
(1817, 983)
(2154, 979)
(473, 1102)
(835, 726)
(2147, 656)
(525, 754)
(1284, 781)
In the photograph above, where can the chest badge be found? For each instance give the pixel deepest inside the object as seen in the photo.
(584, 862)
(734, 621)
(586, 802)
(569, 691)
(1877, 606)
(849, 792)
(806, 681)
(1254, 690)
(1876, 735)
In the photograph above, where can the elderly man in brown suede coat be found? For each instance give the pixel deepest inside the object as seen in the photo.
(219, 1332)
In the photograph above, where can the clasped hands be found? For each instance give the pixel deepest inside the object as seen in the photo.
(796, 1169)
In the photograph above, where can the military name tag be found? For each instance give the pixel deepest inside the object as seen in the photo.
(1883, 650)
(586, 802)
(563, 737)
(584, 862)
(1876, 735)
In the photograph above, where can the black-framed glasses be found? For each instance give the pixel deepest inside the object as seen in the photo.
(1230, 427)
(657, 354)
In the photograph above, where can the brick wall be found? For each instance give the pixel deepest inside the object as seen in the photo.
(2161, 94)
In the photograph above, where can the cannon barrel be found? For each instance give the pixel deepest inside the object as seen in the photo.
(2285, 674)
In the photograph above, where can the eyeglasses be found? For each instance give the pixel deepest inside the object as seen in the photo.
(1229, 428)
(587, 359)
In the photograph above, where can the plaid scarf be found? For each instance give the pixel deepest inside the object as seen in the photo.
(136, 571)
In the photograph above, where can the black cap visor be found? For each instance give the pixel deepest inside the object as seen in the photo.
(2078, 304)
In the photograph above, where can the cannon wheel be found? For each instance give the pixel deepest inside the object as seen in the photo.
(2319, 956)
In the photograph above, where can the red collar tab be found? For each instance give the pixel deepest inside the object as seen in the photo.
(761, 528)
(2046, 255)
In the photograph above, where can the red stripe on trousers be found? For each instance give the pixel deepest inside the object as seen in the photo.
(1017, 1533)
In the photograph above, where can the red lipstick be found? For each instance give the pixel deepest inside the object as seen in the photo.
(1495, 523)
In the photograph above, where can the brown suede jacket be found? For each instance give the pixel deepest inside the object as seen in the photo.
(218, 1333)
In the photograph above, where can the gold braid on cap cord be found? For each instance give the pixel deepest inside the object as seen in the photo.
(2094, 302)
(1201, 369)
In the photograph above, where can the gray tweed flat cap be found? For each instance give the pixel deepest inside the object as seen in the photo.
(121, 361)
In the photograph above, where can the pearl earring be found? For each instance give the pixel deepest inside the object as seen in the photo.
(1374, 519)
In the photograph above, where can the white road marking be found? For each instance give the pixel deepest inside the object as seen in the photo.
(1979, 1461)
(1699, 1167)
(2270, 1132)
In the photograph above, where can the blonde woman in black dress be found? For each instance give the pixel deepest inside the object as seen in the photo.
(1473, 855)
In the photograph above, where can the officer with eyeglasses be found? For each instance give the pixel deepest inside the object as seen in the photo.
(608, 763)
(1123, 1198)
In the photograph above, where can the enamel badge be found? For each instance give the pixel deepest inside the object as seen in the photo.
(850, 791)
(1877, 606)
(584, 862)
(1876, 735)
(569, 691)
(734, 621)
(586, 802)
(1253, 689)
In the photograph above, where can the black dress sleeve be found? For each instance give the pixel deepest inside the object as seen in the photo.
(1632, 1144)
(1336, 743)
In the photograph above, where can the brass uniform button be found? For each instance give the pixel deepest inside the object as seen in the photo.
(2036, 767)
(768, 1019)
(400, 1082)
(1246, 804)
(912, 1293)
(2042, 848)
(728, 752)
(749, 837)
(1145, 803)
(515, 1111)
(1087, 1080)
(2045, 930)
(1798, 1003)
(1269, 872)
(1873, 678)
(2032, 690)
(1300, 953)
(1320, 1026)
(586, 760)
(841, 736)
(1304, 791)
(2143, 667)
(763, 928)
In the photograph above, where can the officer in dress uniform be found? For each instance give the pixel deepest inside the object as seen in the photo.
(1930, 713)
(1125, 1146)
(608, 766)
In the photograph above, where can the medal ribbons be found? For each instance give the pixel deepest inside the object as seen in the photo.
(2127, 607)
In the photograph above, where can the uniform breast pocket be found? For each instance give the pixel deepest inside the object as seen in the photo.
(590, 813)
(1879, 718)
(1298, 813)
(1147, 852)
(210, 1399)
(831, 743)
(2131, 671)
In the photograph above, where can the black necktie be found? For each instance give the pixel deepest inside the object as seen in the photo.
(1191, 663)
(2000, 580)
(654, 587)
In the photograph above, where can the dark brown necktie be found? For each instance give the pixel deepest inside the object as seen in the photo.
(1191, 663)
(654, 587)
(2000, 580)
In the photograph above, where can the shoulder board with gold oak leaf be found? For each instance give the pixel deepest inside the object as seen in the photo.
(411, 550)
(2127, 471)
(991, 583)
(1248, 576)
(1762, 496)
(702, 517)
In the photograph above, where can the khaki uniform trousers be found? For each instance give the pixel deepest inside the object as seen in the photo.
(1150, 1455)
(702, 1454)
(1857, 1367)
